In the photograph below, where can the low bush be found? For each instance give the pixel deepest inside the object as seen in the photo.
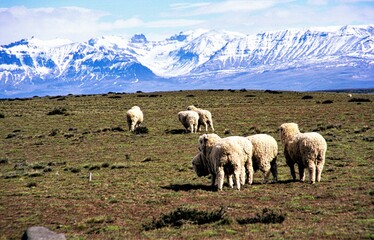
(359, 100)
(183, 215)
(141, 130)
(57, 111)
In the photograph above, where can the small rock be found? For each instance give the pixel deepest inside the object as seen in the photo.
(42, 233)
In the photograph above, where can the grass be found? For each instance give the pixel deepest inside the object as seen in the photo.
(141, 178)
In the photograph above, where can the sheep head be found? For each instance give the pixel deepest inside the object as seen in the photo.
(192, 108)
(199, 166)
(288, 131)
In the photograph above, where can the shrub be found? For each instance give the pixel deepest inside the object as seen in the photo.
(57, 111)
(183, 215)
(31, 184)
(105, 165)
(327, 102)
(359, 100)
(35, 174)
(141, 130)
(2, 115)
(273, 92)
(307, 97)
(4, 161)
(267, 216)
(53, 132)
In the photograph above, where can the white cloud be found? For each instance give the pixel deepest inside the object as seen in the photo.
(46, 23)
(246, 16)
(173, 23)
(226, 6)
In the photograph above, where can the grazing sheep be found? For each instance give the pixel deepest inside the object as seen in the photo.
(134, 118)
(264, 157)
(308, 150)
(205, 117)
(220, 156)
(189, 119)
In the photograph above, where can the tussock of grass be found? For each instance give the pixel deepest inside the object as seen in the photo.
(307, 97)
(184, 215)
(141, 130)
(359, 100)
(267, 216)
(57, 111)
(4, 161)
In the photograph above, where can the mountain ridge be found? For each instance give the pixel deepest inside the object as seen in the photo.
(291, 59)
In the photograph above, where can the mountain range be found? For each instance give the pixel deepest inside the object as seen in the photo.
(294, 59)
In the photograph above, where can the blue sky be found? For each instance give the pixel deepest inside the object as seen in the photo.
(79, 20)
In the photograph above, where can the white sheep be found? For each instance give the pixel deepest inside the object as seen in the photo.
(205, 117)
(220, 156)
(264, 157)
(189, 120)
(307, 150)
(134, 118)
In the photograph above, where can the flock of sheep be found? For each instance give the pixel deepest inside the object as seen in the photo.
(239, 157)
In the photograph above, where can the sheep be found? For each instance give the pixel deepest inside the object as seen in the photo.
(220, 156)
(308, 150)
(264, 157)
(205, 117)
(189, 119)
(134, 118)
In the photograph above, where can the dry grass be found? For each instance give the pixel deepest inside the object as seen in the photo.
(45, 161)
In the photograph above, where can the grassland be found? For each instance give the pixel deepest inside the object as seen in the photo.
(50, 145)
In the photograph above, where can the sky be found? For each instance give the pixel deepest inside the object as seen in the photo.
(80, 20)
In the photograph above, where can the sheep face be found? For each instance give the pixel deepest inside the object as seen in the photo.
(199, 167)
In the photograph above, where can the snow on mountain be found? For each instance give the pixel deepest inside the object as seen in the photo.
(292, 59)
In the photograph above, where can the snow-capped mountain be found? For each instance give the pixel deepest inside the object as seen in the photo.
(293, 59)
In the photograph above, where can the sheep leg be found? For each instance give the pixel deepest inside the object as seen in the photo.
(191, 127)
(291, 165)
(320, 163)
(250, 175)
(132, 126)
(301, 172)
(220, 177)
(237, 175)
(312, 171)
(211, 126)
(213, 180)
(230, 180)
(274, 169)
(206, 127)
(242, 176)
(319, 171)
(199, 126)
(292, 170)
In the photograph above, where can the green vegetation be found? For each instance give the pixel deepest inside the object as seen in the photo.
(77, 170)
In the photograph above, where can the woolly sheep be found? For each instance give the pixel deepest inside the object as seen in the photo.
(189, 120)
(134, 118)
(307, 150)
(205, 117)
(264, 156)
(220, 156)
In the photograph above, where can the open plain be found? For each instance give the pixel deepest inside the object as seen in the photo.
(49, 146)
